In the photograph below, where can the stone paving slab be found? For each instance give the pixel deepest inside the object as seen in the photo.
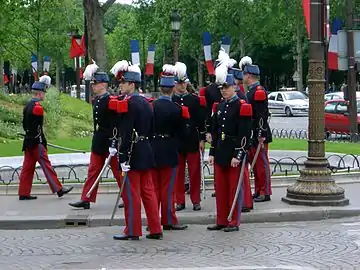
(48, 211)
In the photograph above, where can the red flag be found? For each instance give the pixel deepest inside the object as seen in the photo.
(76, 49)
(306, 9)
(6, 80)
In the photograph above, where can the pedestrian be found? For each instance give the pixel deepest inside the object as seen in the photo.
(135, 155)
(105, 135)
(230, 142)
(35, 145)
(190, 146)
(257, 97)
(171, 125)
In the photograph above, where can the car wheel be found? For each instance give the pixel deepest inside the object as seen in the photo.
(288, 112)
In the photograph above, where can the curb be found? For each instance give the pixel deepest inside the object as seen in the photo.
(206, 218)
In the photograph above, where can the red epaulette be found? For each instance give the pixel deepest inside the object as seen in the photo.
(202, 91)
(214, 106)
(113, 103)
(38, 110)
(185, 112)
(260, 93)
(245, 109)
(122, 106)
(202, 101)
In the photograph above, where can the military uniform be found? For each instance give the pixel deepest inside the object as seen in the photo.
(35, 148)
(258, 99)
(230, 139)
(170, 126)
(105, 136)
(240, 90)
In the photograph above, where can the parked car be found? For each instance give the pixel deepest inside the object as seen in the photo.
(82, 91)
(289, 103)
(338, 95)
(337, 116)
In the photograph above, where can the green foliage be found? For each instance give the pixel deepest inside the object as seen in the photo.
(53, 112)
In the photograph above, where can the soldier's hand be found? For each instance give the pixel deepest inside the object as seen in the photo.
(112, 151)
(208, 137)
(202, 146)
(125, 167)
(261, 140)
(211, 160)
(235, 162)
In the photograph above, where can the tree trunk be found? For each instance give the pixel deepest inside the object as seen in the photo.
(94, 14)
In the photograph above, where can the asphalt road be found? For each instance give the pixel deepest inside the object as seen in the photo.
(329, 244)
(283, 122)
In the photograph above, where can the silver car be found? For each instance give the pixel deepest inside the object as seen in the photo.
(289, 103)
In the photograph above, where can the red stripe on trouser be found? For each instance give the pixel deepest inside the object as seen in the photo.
(261, 170)
(139, 187)
(193, 162)
(162, 179)
(27, 172)
(226, 179)
(96, 164)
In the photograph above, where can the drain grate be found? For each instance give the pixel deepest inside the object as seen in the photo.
(76, 221)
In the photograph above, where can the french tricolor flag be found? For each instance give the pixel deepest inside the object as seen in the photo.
(34, 65)
(333, 52)
(135, 52)
(207, 52)
(150, 61)
(225, 44)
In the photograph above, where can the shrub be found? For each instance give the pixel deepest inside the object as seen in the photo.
(10, 116)
(53, 112)
(9, 130)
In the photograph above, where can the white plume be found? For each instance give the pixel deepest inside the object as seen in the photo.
(224, 59)
(134, 68)
(221, 74)
(90, 70)
(45, 79)
(246, 60)
(122, 65)
(169, 69)
(180, 70)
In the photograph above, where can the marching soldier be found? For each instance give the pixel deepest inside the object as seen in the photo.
(104, 142)
(238, 76)
(261, 131)
(230, 142)
(190, 146)
(170, 126)
(35, 145)
(135, 155)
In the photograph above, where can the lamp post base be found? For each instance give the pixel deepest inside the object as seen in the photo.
(315, 187)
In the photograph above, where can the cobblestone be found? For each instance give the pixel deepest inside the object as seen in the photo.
(330, 244)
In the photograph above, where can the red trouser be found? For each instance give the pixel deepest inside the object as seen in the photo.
(139, 186)
(261, 170)
(193, 162)
(226, 179)
(37, 154)
(164, 182)
(96, 164)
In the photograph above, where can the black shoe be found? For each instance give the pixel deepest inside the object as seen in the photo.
(64, 191)
(246, 210)
(231, 229)
(216, 227)
(196, 207)
(155, 236)
(80, 204)
(213, 195)
(262, 198)
(180, 207)
(255, 195)
(176, 227)
(125, 237)
(121, 205)
(187, 188)
(27, 198)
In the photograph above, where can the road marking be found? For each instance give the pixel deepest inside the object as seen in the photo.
(279, 267)
(351, 224)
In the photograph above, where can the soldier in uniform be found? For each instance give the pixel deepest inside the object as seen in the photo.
(104, 141)
(238, 76)
(257, 97)
(230, 142)
(170, 126)
(35, 145)
(135, 155)
(190, 146)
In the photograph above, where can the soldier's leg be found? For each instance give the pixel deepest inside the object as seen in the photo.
(168, 178)
(114, 165)
(180, 184)
(150, 204)
(27, 174)
(233, 175)
(263, 170)
(156, 179)
(222, 193)
(248, 201)
(193, 161)
(252, 152)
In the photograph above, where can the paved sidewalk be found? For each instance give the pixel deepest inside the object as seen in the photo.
(48, 212)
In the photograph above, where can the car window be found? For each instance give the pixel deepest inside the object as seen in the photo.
(295, 95)
(328, 97)
(271, 97)
(342, 107)
(330, 107)
(279, 97)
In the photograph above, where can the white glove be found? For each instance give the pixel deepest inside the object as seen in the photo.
(112, 151)
(125, 167)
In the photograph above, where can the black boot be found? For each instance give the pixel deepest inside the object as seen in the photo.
(247, 209)
(196, 207)
(64, 191)
(176, 227)
(155, 236)
(262, 198)
(80, 204)
(27, 198)
(231, 229)
(125, 237)
(180, 207)
(121, 205)
(216, 227)
(213, 195)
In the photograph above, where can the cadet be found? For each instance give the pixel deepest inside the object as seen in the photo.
(261, 131)
(35, 145)
(135, 155)
(230, 142)
(104, 141)
(191, 146)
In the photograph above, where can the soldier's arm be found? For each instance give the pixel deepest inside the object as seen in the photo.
(214, 134)
(201, 118)
(34, 125)
(244, 130)
(112, 107)
(260, 111)
(126, 126)
(183, 126)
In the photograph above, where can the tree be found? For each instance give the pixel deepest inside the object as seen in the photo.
(94, 15)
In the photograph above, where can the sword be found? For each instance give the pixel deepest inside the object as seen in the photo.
(241, 178)
(261, 123)
(107, 162)
(59, 147)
